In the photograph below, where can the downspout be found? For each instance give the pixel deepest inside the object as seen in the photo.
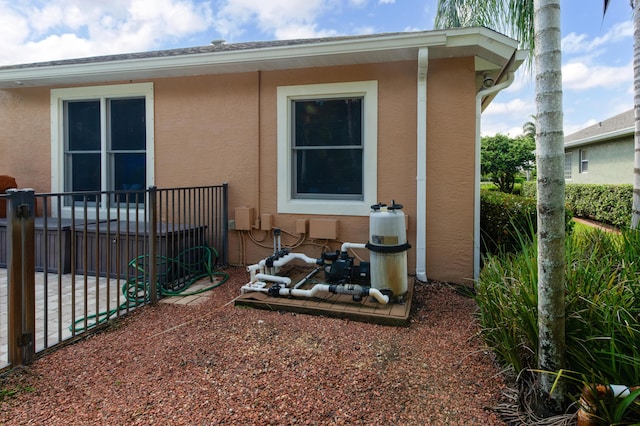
(259, 143)
(476, 199)
(421, 167)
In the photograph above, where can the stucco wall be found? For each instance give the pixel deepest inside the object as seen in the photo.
(25, 138)
(609, 163)
(223, 128)
(450, 169)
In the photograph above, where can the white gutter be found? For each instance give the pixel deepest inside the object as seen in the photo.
(601, 138)
(248, 57)
(476, 201)
(421, 167)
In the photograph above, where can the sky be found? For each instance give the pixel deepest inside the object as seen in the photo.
(597, 51)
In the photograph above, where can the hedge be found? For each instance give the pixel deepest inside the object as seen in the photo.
(500, 216)
(506, 218)
(609, 204)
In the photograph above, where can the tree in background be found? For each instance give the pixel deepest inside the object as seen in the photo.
(529, 128)
(536, 24)
(502, 158)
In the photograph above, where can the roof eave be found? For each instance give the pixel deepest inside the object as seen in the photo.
(491, 46)
(629, 131)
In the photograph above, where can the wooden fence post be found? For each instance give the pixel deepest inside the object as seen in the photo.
(21, 274)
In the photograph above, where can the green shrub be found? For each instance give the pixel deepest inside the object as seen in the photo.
(609, 204)
(601, 310)
(605, 203)
(502, 216)
(506, 218)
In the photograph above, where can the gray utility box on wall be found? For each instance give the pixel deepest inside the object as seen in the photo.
(107, 248)
(52, 244)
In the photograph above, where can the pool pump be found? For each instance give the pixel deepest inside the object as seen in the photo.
(384, 276)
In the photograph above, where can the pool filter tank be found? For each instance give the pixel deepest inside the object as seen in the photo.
(388, 249)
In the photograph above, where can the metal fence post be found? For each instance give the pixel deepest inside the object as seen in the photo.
(225, 223)
(22, 275)
(153, 245)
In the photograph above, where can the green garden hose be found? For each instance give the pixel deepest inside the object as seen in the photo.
(174, 277)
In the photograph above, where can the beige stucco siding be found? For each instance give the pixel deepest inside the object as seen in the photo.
(223, 128)
(396, 145)
(25, 137)
(206, 133)
(450, 169)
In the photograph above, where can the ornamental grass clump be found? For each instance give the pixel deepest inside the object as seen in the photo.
(602, 312)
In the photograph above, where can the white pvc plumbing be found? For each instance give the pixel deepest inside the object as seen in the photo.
(261, 275)
(261, 267)
(320, 288)
(347, 246)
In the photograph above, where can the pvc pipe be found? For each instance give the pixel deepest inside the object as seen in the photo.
(274, 278)
(320, 288)
(291, 256)
(259, 286)
(261, 266)
(336, 289)
(346, 246)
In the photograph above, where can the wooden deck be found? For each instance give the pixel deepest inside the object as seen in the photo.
(333, 305)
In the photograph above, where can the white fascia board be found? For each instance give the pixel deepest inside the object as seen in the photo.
(629, 131)
(380, 48)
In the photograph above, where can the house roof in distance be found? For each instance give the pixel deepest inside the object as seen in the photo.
(615, 127)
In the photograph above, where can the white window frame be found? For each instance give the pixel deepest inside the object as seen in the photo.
(368, 90)
(568, 163)
(584, 161)
(60, 96)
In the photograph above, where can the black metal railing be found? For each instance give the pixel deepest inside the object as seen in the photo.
(94, 255)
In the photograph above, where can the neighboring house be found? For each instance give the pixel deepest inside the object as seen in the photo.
(602, 153)
(308, 133)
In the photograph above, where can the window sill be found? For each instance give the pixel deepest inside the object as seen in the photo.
(326, 207)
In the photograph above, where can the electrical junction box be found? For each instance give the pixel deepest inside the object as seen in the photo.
(266, 221)
(326, 229)
(301, 226)
(245, 217)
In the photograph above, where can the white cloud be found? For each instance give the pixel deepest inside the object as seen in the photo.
(572, 128)
(583, 76)
(491, 129)
(14, 28)
(386, 1)
(74, 28)
(283, 18)
(507, 117)
(514, 108)
(580, 43)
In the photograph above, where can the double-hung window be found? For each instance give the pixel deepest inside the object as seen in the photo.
(568, 157)
(584, 161)
(102, 140)
(327, 144)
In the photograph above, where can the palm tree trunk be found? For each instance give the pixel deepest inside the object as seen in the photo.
(550, 186)
(635, 212)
